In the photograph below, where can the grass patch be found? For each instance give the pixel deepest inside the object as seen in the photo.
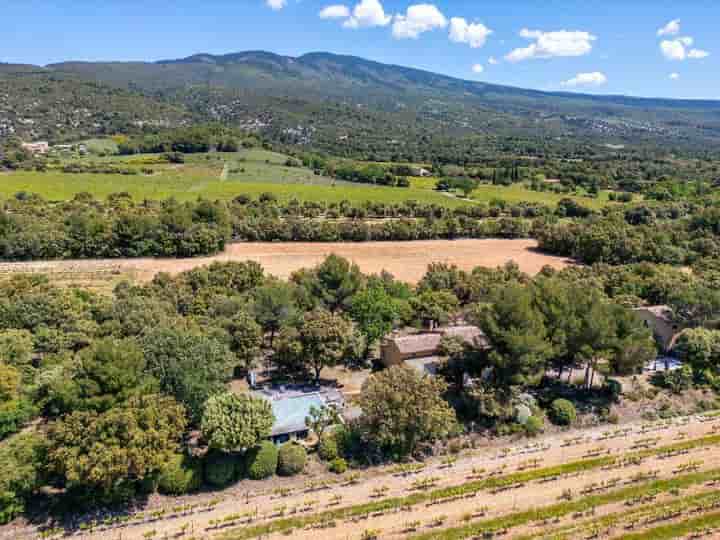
(223, 175)
(198, 180)
(466, 489)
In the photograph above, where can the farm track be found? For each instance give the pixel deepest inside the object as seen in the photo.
(407, 261)
(347, 500)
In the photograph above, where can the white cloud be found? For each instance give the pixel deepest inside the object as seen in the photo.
(673, 49)
(478, 68)
(418, 19)
(677, 49)
(552, 44)
(698, 53)
(474, 34)
(595, 78)
(337, 11)
(368, 13)
(674, 76)
(493, 61)
(670, 29)
(276, 4)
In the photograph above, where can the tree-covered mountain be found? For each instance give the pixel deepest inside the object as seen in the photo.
(354, 106)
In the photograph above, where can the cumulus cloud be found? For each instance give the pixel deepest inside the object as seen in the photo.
(337, 11)
(419, 18)
(276, 4)
(677, 49)
(673, 49)
(552, 44)
(698, 53)
(595, 78)
(670, 29)
(674, 76)
(493, 61)
(368, 13)
(478, 68)
(474, 34)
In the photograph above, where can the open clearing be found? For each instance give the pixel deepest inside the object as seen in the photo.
(407, 261)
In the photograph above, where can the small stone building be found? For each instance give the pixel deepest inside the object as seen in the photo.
(659, 319)
(397, 350)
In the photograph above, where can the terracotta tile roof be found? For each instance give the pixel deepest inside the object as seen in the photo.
(429, 342)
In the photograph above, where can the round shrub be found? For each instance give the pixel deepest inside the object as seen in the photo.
(180, 475)
(562, 412)
(220, 469)
(291, 459)
(522, 414)
(261, 461)
(328, 447)
(338, 466)
(613, 389)
(534, 425)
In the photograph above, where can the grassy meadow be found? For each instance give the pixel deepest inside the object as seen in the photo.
(250, 172)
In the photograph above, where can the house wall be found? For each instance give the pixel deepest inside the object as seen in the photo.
(662, 330)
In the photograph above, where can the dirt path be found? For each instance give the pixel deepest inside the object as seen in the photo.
(407, 261)
(550, 451)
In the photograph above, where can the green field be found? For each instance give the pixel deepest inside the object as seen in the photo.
(250, 172)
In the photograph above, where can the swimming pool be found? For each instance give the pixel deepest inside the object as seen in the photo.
(290, 412)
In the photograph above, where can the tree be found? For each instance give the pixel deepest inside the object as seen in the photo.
(322, 418)
(273, 306)
(336, 280)
(700, 349)
(22, 460)
(401, 409)
(190, 367)
(111, 452)
(374, 312)
(435, 307)
(15, 409)
(236, 422)
(245, 338)
(324, 338)
(16, 348)
(516, 333)
(100, 377)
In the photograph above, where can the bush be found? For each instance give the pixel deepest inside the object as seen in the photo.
(562, 412)
(261, 461)
(180, 475)
(613, 389)
(338, 466)
(221, 469)
(328, 447)
(291, 459)
(534, 425)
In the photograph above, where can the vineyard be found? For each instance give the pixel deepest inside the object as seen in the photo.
(650, 480)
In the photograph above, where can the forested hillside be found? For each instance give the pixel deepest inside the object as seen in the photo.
(351, 106)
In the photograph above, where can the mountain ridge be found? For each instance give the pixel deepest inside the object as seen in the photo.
(310, 59)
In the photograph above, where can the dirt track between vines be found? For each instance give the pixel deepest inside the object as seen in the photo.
(393, 524)
(407, 261)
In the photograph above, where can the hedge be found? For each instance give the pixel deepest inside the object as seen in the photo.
(261, 461)
(180, 475)
(291, 459)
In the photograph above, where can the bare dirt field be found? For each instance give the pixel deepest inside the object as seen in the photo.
(407, 261)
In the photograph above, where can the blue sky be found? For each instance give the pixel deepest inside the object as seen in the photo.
(634, 47)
